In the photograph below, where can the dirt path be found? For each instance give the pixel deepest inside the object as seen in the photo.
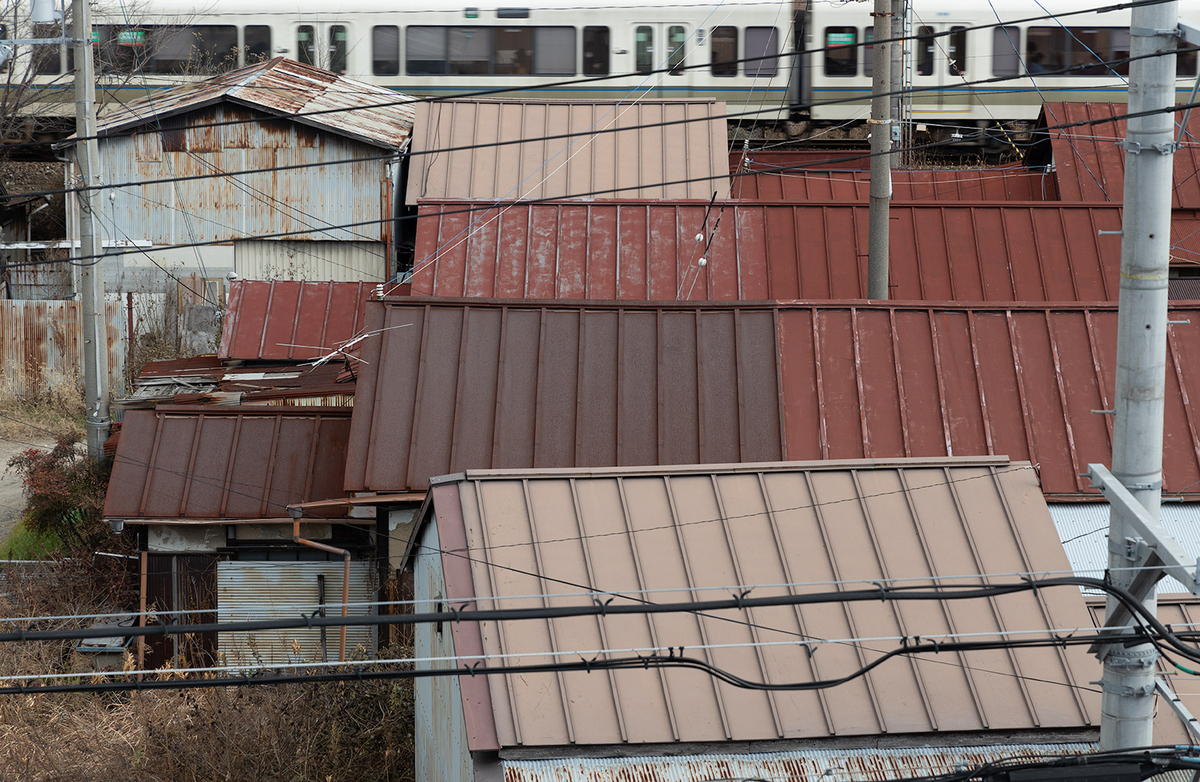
(12, 502)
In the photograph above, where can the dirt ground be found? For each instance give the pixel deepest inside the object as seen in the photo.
(12, 502)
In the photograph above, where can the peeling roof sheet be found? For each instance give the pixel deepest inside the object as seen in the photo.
(695, 532)
(1004, 183)
(296, 321)
(285, 88)
(208, 380)
(622, 149)
(1088, 164)
(647, 250)
(489, 385)
(205, 463)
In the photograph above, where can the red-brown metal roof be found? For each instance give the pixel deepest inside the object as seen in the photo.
(647, 250)
(268, 320)
(699, 532)
(226, 462)
(841, 159)
(1088, 164)
(1007, 183)
(486, 384)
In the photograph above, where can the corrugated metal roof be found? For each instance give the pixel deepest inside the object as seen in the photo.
(1083, 529)
(285, 88)
(208, 463)
(487, 384)
(805, 765)
(647, 250)
(482, 151)
(268, 320)
(687, 531)
(1088, 164)
(1002, 183)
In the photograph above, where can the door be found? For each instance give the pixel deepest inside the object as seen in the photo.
(323, 45)
(940, 68)
(659, 45)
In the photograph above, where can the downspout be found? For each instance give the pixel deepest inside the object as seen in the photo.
(296, 513)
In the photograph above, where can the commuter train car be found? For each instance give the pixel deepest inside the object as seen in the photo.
(769, 60)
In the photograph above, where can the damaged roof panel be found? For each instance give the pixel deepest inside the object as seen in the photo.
(283, 320)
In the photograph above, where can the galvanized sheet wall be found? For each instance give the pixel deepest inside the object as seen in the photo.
(217, 208)
(269, 590)
(287, 260)
(41, 343)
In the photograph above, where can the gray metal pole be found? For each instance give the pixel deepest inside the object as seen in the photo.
(1127, 709)
(898, 12)
(881, 144)
(95, 331)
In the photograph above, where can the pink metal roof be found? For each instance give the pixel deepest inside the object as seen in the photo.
(268, 320)
(1007, 183)
(1089, 166)
(489, 385)
(647, 250)
(207, 463)
(683, 532)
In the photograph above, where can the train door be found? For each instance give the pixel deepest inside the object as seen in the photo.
(940, 70)
(324, 45)
(663, 45)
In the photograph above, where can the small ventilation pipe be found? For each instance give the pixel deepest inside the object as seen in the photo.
(296, 513)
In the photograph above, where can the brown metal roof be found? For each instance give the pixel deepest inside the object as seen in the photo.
(486, 155)
(491, 385)
(647, 250)
(286, 88)
(696, 532)
(1088, 164)
(1005, 183)
(206, 463)
(268, 320)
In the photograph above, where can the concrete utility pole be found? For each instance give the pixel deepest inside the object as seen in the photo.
(898, 16)
(1127, 709)
(95, 330)
(881, 144)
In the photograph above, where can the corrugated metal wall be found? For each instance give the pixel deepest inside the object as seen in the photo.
(40, 345)
(182, 582)
(271, 590)
(286, 260)
(226, 207)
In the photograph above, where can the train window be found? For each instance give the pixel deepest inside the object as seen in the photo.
(256, 40)
(554, 51)
(676, 43)
(1185, 62)
(425, 50)
(841, 53)
(643, 55)
(470, 50)
(1006, 43)
(122, 49)
(512, 13)
(1089, 48)
(337, 48)
(868, 52)
(47, 57)
(385, 50)
(1044, 49)
(595, 51)
(513, 55)
(306, 44)
(925, 44)
(724, 51)
(762, 42)
(6, 52)
(209, 48)
(958, 51)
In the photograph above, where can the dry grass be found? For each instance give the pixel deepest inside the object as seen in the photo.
(326, 732)
(58, 411)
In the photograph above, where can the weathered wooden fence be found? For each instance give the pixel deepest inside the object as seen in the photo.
(41, 343)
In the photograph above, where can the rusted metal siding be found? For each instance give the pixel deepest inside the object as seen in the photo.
(507, 149)
(646, 250)
(306, 201)
(1088, 164)
(701, 531)
(268, 320)
(41, 344)
(848, 186)
(486, 384)
(249, 591)
(287, 260)
(182, 582)
(833, 765)
(237, 462)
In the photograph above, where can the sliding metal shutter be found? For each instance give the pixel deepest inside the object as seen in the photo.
(247, 591)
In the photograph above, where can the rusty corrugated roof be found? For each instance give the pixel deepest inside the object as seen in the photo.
(205, 463)
(698, 531)
(268, 320)
(1088, 164)
(484, 152)
(487, 384)
(1000, 183)
(647, 250)
(283, 87)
